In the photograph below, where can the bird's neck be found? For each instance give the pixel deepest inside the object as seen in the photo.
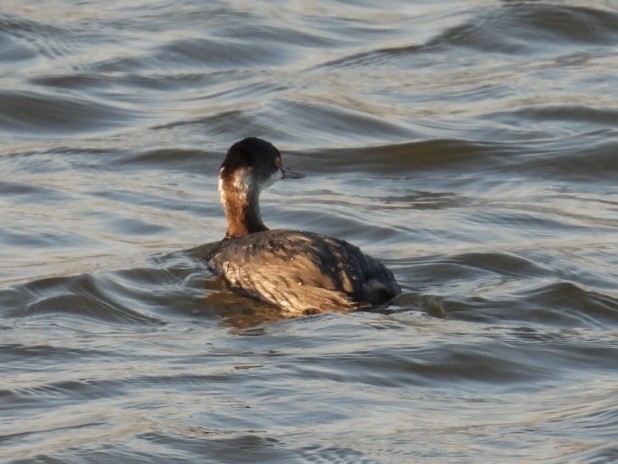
(240, 199)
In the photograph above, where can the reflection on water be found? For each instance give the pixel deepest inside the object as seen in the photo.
(470, 146)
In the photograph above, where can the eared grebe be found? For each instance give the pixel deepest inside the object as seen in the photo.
(300, 272)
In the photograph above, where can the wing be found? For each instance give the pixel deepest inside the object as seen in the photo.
(298, 271)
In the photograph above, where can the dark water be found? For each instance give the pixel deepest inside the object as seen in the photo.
(472, 146)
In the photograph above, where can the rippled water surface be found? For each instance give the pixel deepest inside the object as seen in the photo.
(470, 145)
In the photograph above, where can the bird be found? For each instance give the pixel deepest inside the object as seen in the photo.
(297, 271)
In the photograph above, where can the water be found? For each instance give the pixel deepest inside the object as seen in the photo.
(471, 146)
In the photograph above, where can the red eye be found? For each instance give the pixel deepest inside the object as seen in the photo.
(278, 162)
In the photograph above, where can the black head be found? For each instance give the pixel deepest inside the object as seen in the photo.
(258, 156)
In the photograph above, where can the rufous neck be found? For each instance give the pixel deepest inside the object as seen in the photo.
(242, 209)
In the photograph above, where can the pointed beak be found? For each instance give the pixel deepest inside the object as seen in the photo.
(289, 174)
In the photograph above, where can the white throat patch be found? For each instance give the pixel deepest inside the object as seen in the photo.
(241, 184)
(274, 177)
